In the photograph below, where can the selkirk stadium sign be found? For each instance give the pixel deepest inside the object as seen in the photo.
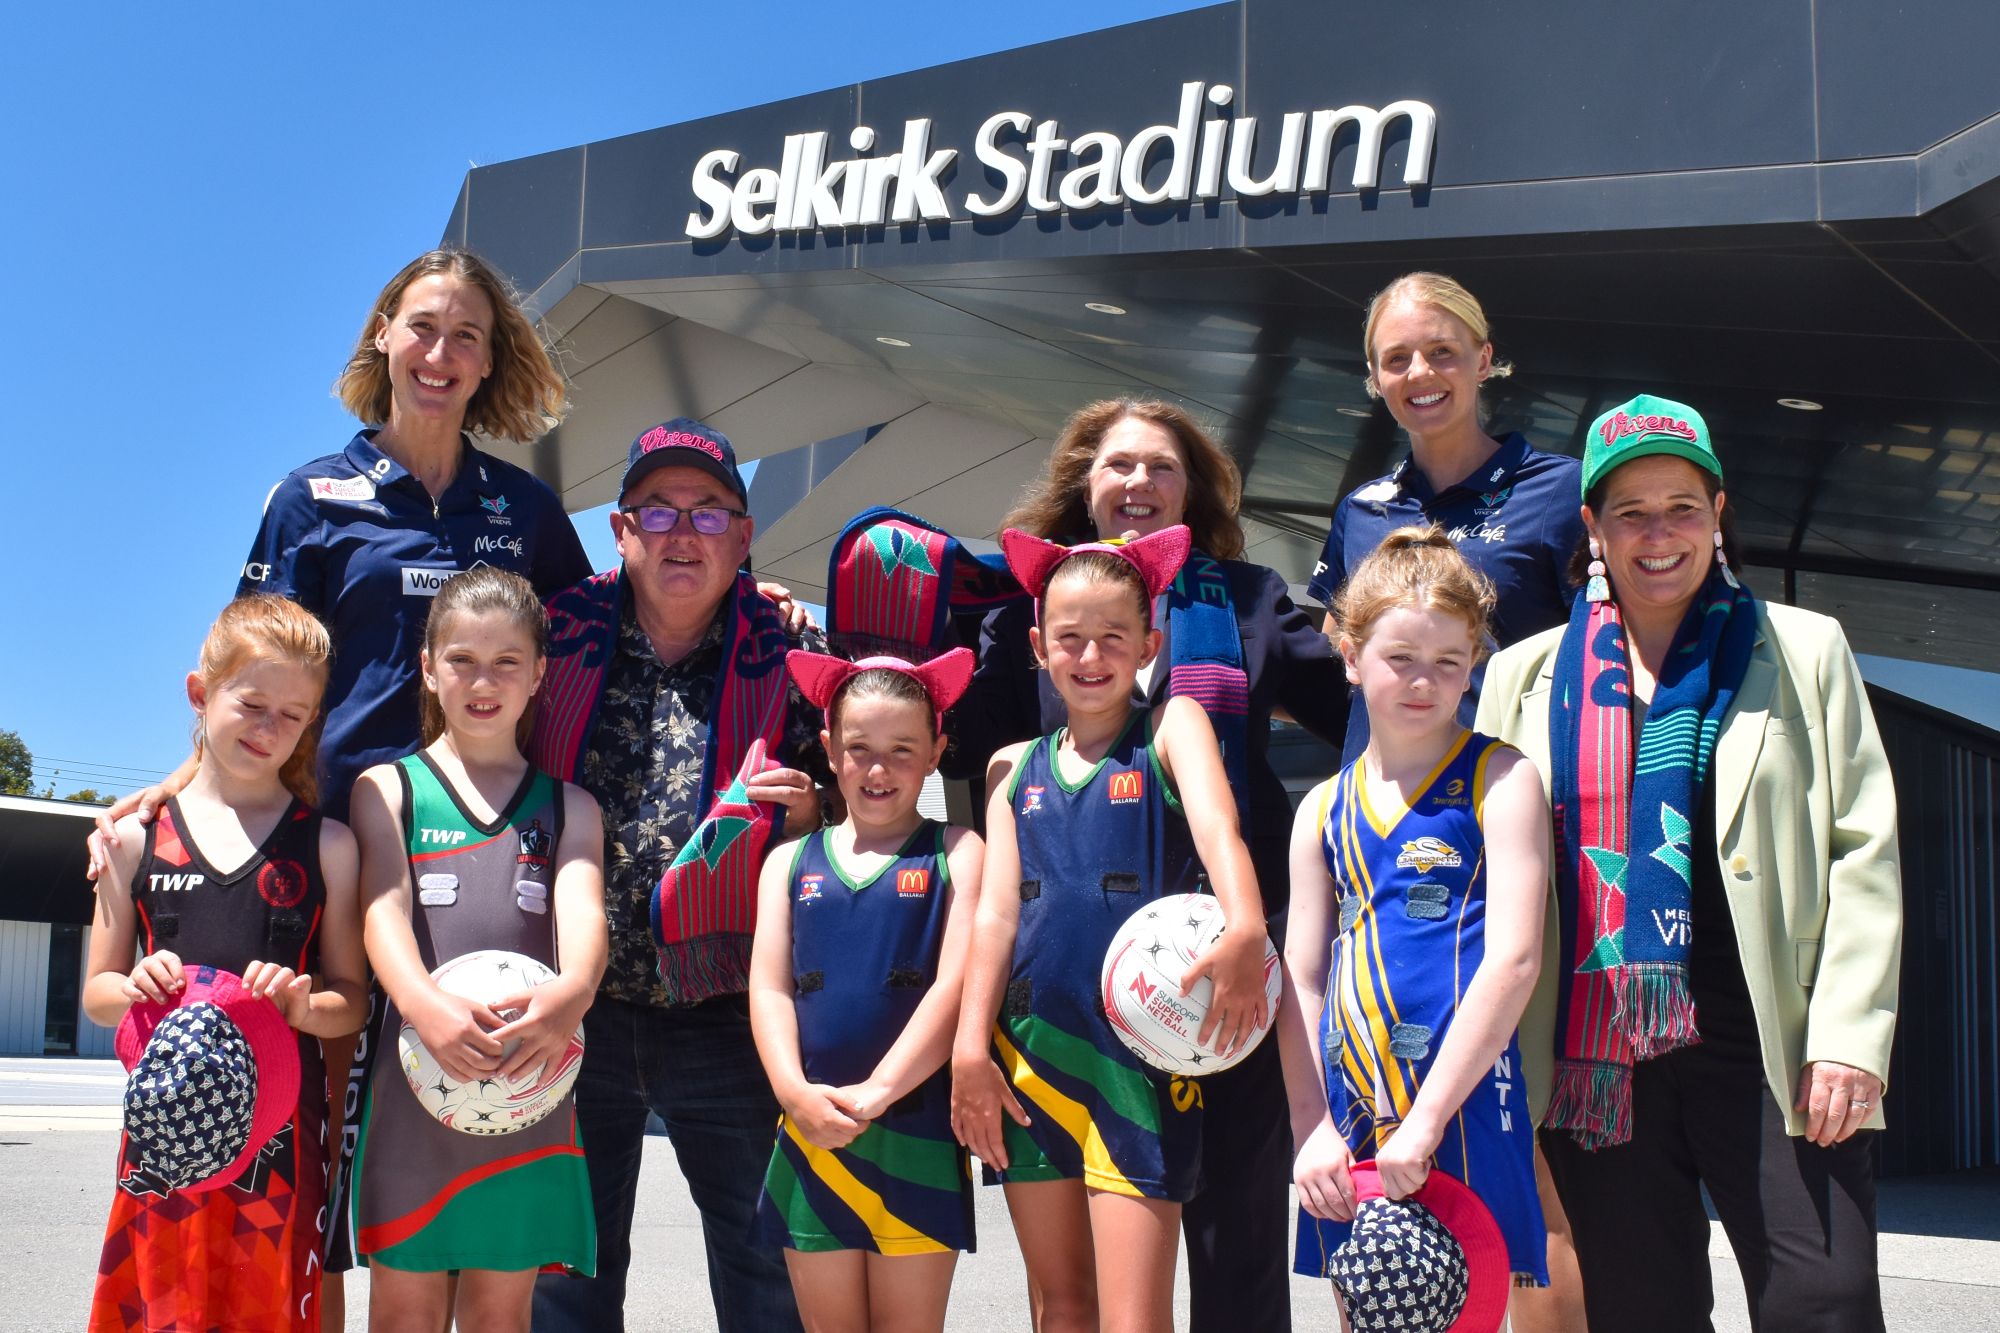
(1031, 164)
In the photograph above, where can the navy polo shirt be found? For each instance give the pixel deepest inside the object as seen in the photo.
(357, 540)
(1515, 519)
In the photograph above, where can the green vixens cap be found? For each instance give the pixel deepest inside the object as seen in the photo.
(1647, 425)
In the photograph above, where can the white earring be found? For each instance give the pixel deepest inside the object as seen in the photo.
(1599, 587)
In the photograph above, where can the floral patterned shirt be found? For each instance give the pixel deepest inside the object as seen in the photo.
(643, 765)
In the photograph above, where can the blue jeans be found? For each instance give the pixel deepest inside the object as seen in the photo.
(697, 1067)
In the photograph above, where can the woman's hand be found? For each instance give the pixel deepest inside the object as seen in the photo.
(549, 1016)
(104, 831)
(290, 991)
(157, 978)
(1404, 1162)
(458, 1033)
(1236, 1008)
(1837, 1100)
(797, 619)
(823, 1115)
(1321, 1171)
(979, 1093)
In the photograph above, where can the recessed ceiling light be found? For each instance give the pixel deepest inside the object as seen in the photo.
(1802, 404)
(1362, 412)
(1104, 307)
(887, 341)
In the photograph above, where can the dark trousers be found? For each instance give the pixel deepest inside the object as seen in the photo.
(1238, 1228)
(697, 1068)
(1800, 1218)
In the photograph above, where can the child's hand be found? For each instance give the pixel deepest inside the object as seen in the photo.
(824, 1116)
(868, 1100)
(1405, 1160)
(1236, 1009)
(979, 1093)
(1321, 1173)
(549, 1017)
(290, 991)
(457, 1032)
(157, 978)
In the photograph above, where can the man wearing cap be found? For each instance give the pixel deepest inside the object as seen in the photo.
(665, 676)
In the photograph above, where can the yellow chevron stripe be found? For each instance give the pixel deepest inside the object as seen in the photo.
(1100, 1172)
(892, 1233)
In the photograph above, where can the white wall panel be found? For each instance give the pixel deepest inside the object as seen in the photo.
(24, 986)
(92, 1039)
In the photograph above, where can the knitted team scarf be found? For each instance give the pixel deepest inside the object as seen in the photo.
(1624, 830)
(705, 906)
(894, 581)
(1205, 663)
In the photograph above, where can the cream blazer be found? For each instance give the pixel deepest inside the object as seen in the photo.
(1805, 818)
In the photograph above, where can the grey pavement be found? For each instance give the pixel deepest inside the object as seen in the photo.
(1940, 1243)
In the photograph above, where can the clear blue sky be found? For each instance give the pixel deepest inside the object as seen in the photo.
(200, 204)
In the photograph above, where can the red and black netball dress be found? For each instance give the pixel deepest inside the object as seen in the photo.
(864, 953)
(1092, 852)
(245, 1255)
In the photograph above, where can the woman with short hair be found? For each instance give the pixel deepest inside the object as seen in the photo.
(1718, 996)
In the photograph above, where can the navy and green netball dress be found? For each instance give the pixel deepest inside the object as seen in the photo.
(1092, 853)
(864, 952)
(1411, 884)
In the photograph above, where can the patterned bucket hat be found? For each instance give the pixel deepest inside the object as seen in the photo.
(1432, 1263)
(215, 1074)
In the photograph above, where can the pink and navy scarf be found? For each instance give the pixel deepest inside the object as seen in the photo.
(1625, 845)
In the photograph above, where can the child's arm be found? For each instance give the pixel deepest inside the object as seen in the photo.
(1235, 962)
(552, 1012)
(1321, 1165)
(926, 1040)
(338, 1006)
(820, 1113)
(979, 1091)
(116, 983)
(1516, 823)
(458, 1032)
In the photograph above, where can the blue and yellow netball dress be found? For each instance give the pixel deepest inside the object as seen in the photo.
(1411, 884)
(1092, 853)
(864, 952)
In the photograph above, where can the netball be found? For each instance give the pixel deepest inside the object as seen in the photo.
(488, 1105)
(1141, 983)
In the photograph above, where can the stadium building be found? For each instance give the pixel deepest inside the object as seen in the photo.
(1786, 214)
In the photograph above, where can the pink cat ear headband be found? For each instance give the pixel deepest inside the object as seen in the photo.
(944, 677)
(1157, 556)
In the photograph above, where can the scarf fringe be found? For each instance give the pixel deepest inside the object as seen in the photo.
(1592, 1099)
(699, 969)
(1655, 1008)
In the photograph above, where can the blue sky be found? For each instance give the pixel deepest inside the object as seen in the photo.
(200, 204)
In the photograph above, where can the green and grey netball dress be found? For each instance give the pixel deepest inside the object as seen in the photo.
(431, 1197)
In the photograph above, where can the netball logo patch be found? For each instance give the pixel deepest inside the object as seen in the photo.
(1426, 854)
(282, 883)
(535, 843)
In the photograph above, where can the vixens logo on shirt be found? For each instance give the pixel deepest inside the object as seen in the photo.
(1490, 501)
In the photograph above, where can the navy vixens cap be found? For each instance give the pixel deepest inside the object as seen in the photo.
(684, 442)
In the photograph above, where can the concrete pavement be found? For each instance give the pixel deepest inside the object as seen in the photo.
(1940, 1243)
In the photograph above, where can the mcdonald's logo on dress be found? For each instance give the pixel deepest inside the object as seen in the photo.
(1127, 787)
(912, 883)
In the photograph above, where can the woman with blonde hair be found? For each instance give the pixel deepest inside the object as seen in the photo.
(1234, 642)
